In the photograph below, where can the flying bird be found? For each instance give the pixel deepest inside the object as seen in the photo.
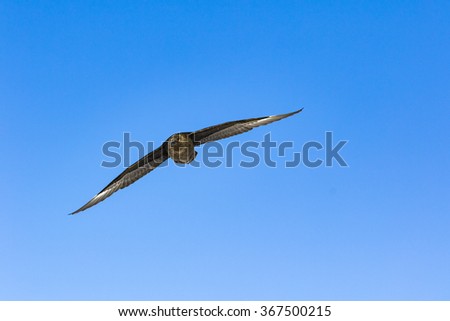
(179, 147)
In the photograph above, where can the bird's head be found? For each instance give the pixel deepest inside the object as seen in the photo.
(178, 140)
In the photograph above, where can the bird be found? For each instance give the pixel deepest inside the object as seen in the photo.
(180, 148)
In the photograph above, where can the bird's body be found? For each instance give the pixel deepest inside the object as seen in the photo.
(181, 148)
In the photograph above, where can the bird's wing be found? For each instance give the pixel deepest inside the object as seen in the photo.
(142, 167)
(232, 128)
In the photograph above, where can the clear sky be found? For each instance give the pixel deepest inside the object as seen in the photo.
(75, 75)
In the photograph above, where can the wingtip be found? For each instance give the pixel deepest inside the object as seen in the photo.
(73, 213)
(294, 112)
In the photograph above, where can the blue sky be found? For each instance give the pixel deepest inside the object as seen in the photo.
(77, 75)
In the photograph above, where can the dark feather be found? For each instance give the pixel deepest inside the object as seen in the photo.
(142, 167)
(232, 128)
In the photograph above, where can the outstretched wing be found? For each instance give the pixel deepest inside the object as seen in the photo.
(142, 167)
(232, 128)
